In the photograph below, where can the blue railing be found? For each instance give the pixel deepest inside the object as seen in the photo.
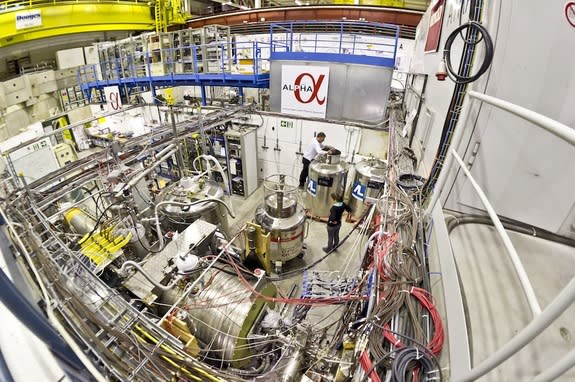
(241, 63)
(349, 42)
(220, 63)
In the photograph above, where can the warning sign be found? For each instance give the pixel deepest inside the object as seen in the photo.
(435, 24)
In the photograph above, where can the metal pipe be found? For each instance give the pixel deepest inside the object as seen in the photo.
(563, 300)
(560, 367)
(132, 264)
(448, 164)
(168, 151)
(556, 128)
(49, 308)
(525, 283)
(179, 157)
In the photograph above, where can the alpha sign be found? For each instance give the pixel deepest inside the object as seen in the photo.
(304, 90)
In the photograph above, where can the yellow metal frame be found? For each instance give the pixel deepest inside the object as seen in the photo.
(262, 247)
(75, 17)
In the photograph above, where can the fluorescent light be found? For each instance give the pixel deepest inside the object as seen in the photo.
(298, 2)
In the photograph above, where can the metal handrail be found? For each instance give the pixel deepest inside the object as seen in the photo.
(556, 128)
(525, 283)
(565, 298)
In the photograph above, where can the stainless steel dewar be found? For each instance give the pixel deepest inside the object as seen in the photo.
(327, 175)
(189, 190)
(283, 217)
(367, 186)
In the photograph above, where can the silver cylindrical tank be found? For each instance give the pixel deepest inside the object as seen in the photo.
(221, 311)
(327, 175)
(367, 185)
(188, 190)
(283, 217)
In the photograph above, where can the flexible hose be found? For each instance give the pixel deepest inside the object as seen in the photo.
(488, 51)
(512, 225)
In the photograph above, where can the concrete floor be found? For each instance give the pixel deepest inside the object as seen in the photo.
(344, 261)
(496, 306)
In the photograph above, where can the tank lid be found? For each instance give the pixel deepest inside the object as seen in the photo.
(372, 167)
(177, 193)
(280, 207)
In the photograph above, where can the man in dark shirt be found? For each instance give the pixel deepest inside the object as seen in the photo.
(334, 222)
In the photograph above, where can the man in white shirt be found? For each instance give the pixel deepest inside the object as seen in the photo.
(311, 151)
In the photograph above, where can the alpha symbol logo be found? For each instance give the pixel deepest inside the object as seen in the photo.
(303, 87)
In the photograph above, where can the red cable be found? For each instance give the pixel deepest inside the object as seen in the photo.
(367, 365)
(436, 343)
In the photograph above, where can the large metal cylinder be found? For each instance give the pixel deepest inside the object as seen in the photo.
(283, 217)
(221, 314)
(367, 186)
(327, 175)
(189, 190)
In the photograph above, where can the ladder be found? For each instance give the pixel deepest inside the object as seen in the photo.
(160, 16)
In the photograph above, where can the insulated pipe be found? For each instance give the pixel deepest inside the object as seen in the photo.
(209, 158)
(556, 128)
(132, 264)
(168, 151)
(558, 369)
(563, 300)
(525, 283)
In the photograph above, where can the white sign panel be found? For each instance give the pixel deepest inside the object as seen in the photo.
(113, 98)
(28, 19)
(304, 90)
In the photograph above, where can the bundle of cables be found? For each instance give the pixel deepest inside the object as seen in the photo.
(436, 343)
(410, 362)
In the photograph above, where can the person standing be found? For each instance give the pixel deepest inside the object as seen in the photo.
(311, 151)
(334, 222)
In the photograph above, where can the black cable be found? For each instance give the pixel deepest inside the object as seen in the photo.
(488, 42)
(407, 359)
(508, 224)
(420, 347)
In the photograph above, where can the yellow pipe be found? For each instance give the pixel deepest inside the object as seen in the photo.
(57, 20)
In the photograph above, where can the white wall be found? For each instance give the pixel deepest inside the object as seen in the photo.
(525, 172)
(438, 93)
(354, 142)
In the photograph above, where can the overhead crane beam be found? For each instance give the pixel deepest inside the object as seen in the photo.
(57, 19)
